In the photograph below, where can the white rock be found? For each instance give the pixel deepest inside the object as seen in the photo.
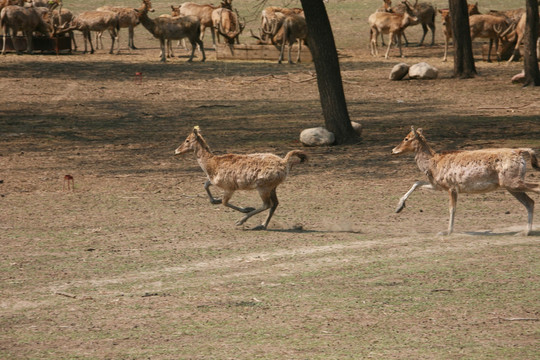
(317, 137)
(357, 127)
(423, 71)
(399, 71)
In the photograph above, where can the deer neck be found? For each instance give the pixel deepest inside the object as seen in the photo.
(203, 157)
(424, 154)
(148, 23)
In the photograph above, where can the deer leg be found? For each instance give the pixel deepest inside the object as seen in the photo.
(4, 42)
(389, 45)
(299, 50)
(432, 27)
(162, 46)
(131, 41)
(425, 29)
(275, 203)
(281, 51)
(422, 184)
(213, 200)
(452, 208)
(489, 52)
(445, 48)
(30, 43)
(405, 38)
(227, 196)
(267, 204)
(529, 205)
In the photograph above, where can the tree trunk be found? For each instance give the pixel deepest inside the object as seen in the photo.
(463, 55)
(532, 74)
(323, 50)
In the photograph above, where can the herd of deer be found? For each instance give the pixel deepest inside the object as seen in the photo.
(279, 26)
(505, 27)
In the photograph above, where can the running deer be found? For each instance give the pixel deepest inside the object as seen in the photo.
(470, 171)
(230, 172)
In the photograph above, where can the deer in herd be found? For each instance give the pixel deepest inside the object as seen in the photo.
(166, 29)
(294, 29)
(227, 24)
(94, 20)
(127, 18)
(14, 18)
(389, 23)
(515, 33)
(489, 27)
(424, 13)
(470, 171)
(447, 24)
(230, 172)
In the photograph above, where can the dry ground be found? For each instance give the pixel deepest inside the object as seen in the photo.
(136, 263)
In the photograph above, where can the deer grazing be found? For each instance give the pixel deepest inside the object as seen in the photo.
(230, 172)
(490, 27)
(17, 18)
(473, 172)
(516, 32)
(227, 24)
(99, 21)
(166, 29)
(389, 23)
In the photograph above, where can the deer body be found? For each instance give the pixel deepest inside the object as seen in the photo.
(17, 18)
(389, 23)
(473, 172)
(262, 172)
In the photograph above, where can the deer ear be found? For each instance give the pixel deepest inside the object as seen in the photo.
(196, 129)
(414, 132)
(419, 131)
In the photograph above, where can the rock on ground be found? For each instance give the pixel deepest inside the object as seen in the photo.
(423, 71)
(399, 71)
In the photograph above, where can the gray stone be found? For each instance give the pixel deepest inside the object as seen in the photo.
(399, 71)
(423, 71)
(317, 137)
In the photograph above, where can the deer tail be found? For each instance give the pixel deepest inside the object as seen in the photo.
(295, 157)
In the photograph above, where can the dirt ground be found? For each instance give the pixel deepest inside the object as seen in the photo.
(136, 263)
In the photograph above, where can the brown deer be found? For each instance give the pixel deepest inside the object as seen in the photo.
(127, 18)
(473, 172)
(294, 29)
(447, 24)
(166, 29)
(204, 13)
(262, 172)
(227, 24)
(17, 18)
(424, 12)
(490, 27)
(389, 23)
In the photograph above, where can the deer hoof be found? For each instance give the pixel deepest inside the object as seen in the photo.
(259, 227)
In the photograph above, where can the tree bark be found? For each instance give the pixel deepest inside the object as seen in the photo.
(530, 64)
(463, 55)
(323, 50)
